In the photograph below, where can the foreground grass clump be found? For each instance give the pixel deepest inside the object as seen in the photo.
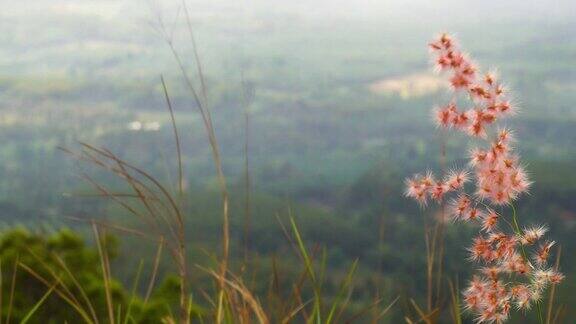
(57, 278)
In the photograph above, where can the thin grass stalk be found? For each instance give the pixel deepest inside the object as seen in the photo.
(430, 252)
(309, 267)
(372, 305)
(199, 68)
(183, 272)
(360, 313)
(141, 172)
(293, 313)
(118, 228)
(297, 288)
(208, 125)
(176, 138)
(423, 316)
(553, 290)
(55, 276)
(519, 233)
(153, 213)
(323, 262)
(297, 293)
(298, 297)
(346, 302)
(38, 304)
(388, 308)
(12, 288)
(179, 254)
(77, 307)
(154, 271)
(79, 287)
(247, 180)
(131, 181)
(161, 241)
(455, 299)
(105, 274)
(380, 263)
(122, 173)
(560, 313)
(134, 292)
(1, 289)
(440, 254)
(344, 287)
(150, 221)
(207, 120)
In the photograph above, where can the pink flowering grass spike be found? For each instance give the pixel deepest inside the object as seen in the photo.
(513, 269)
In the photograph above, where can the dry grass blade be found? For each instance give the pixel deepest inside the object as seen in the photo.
(553, 289)
(362, 312)
(294, 312)
(374, 304)
(389, 307)
(119, 228)
(560, 314)
(423, 316)
(110, 194)
(122, 168)
(297, 293)
(176, 138)
(138, 185)
(154, 270)
(121, 172)
(247, 296)
(455, 306)
(124, 165)
(150, 221)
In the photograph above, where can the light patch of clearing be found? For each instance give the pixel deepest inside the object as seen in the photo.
(409, 86)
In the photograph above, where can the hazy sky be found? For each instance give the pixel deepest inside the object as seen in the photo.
(36, 34)
(390, 9)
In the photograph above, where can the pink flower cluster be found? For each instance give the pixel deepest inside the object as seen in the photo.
(486, 93)
(492, 293)
(508, 277)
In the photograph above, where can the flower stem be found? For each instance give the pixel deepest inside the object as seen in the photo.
(519, 233)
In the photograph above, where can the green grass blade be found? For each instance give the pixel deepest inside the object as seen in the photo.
(316, 312)
(38, 304)
(345, 284)
(134, 290)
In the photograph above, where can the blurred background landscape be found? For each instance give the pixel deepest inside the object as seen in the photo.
(340, 115)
